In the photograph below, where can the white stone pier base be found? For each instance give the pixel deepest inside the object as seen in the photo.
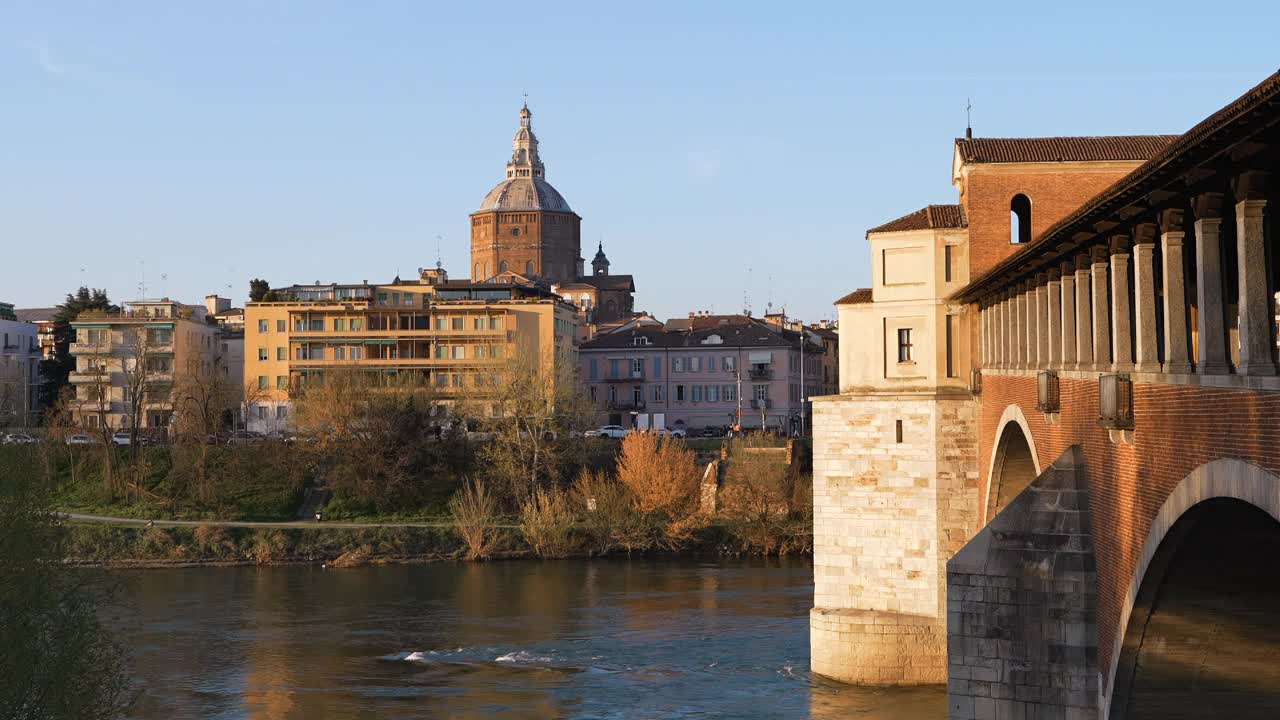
(895, 487)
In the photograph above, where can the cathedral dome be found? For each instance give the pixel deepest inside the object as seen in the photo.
(524, 193)
(526, 187)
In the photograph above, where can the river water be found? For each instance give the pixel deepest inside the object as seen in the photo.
(522, 639)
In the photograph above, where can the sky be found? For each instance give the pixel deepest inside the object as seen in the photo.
(725, 153)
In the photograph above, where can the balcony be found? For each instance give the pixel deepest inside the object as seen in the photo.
(79, 348)
(632, 376)
(93, 376)
(761, 404)
(627, 405)
(760, 372)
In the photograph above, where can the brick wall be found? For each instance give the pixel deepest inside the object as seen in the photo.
(1178, 428)
(1053, 193)
(551, 241)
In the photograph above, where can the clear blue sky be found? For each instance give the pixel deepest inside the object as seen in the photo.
(716, 147)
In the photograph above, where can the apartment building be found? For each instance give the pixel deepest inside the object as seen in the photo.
(453, 335)
(128, 363)
(20, 356)
(702, 371)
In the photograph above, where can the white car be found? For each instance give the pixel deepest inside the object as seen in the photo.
(17, 439)
(80, 439)
(617, 432)
(120, 439)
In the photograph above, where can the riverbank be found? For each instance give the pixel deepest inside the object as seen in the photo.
(118, 545)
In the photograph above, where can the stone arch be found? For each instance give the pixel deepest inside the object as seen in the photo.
(1224, 501)
(1013, 445)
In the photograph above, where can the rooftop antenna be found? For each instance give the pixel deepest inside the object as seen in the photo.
(968, 119)
(142, 279)
(769, 307)
(746, 296)
(439, 264)
(164, 284)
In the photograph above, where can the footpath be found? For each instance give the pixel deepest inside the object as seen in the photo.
(309, 524)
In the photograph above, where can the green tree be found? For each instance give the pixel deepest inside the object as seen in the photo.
(57, 369)
(57, 659)
(258, 289)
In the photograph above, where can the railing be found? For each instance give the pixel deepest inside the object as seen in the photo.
(632, 376)
(631, 404)
(760, 373)
(758, 404)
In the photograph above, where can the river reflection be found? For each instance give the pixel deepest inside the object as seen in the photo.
(571, 639)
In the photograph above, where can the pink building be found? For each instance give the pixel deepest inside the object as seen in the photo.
(702, 371)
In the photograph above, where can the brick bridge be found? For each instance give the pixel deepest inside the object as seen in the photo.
(1091, 530)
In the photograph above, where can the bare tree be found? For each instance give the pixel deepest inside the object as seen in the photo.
(201, 402)
(146, 374)
(93, 395)
(533, 405)
(371, 432)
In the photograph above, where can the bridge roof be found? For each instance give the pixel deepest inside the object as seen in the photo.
(1249, 115)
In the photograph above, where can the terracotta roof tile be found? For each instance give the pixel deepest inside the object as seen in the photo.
(857, 297)
(1062, 149)
(933, 217)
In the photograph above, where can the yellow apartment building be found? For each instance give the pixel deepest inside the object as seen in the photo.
(450, 335)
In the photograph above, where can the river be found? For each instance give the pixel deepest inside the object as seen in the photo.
(613, 638)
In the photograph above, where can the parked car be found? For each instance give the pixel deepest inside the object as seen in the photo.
(240, 437)
(121, 439)
(81, 439)
(16, 439)
(617, 432)
(678, 432)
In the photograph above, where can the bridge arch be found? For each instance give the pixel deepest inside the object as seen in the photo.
(1196, 631)
(1014, 462)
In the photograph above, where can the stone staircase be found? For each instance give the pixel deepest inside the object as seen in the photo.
(313, 499)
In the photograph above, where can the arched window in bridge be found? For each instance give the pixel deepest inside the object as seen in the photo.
(1020, 220)
(502, 266)
(528, 268)
(478, 276)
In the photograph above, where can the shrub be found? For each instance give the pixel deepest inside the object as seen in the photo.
(269, 546)
(475, 517)
(214, 542)
(546, 521)
(663, 480)
(610, 519)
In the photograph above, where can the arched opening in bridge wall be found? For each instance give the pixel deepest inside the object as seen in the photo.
(1202, 625)
(1014, 463)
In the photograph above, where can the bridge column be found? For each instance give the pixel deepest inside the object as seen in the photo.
(997, 329)
(1084, 314)
(1067, 340)
(1176, 354)
(1256, 316)
(1101, 309)
(1006, 332)
(1211, 354)
(1053, 341)
(1144, 282)
(1023, 344)
(1121, 340)
(1040, 316)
